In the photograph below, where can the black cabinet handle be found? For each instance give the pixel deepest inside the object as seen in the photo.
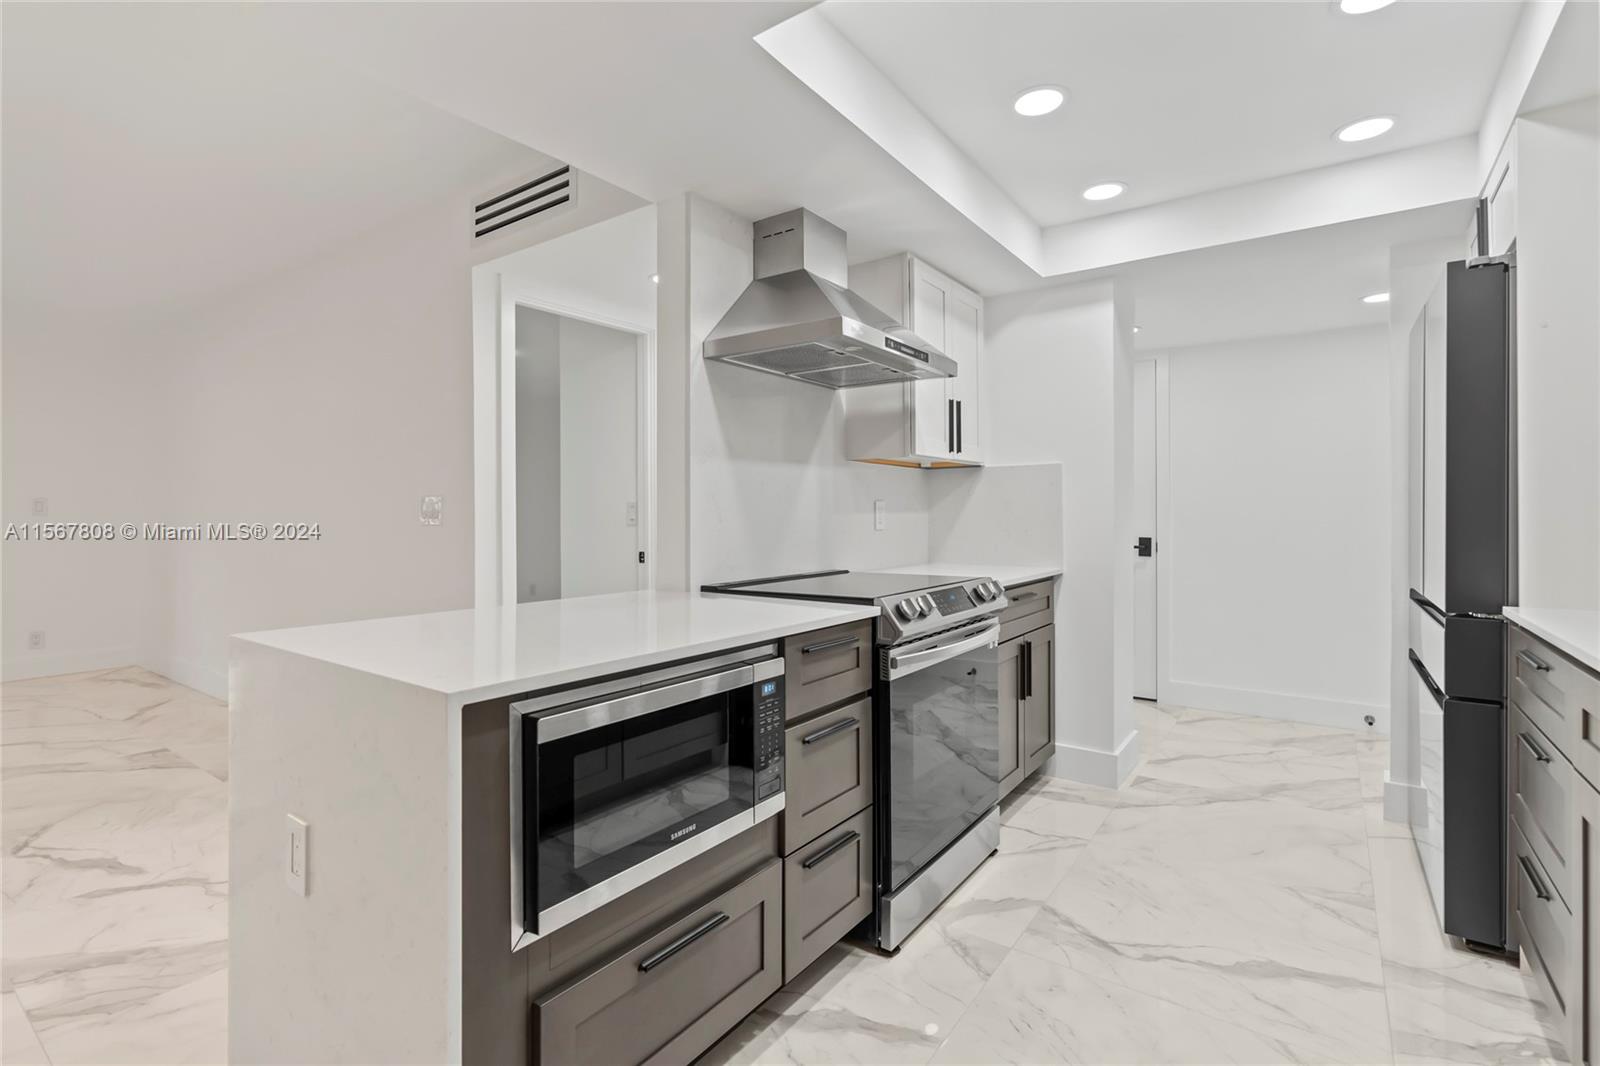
(1533, 749)
(950, 425)
(844, 841)
(824, 734)
(1534, 878)
(683, 941)
(960, 447)
(827, 645)
(1019, 597)
(1022, 670)
(1027, 669)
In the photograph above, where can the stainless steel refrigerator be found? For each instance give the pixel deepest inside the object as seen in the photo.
(1462, 573)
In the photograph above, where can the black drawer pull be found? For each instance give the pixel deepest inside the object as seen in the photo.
(828, 731)
(843, 842)
(828, 645)
(1533, 661)
(1533, 749)
(683, 941)
(1534, 878)
(1019, 597)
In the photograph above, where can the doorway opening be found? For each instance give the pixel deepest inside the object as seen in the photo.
(564, 383)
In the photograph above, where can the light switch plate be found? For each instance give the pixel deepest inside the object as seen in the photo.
(296, 856)
(880, 515)
(432, 510)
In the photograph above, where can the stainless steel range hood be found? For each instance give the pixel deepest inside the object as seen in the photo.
(799, 319)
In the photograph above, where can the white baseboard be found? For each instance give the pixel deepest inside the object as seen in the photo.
(1092, 766)
(188, 672)
(1312, 710)
(49, 663)
(1400, 800)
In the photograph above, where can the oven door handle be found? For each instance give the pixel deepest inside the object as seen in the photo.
(560, 724)
(909, 662)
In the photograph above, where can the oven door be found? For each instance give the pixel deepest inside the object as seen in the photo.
(617, 792)
(944, 742)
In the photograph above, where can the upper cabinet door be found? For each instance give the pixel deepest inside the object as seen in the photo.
(1502, 196)
(932, 416)
(963, 342)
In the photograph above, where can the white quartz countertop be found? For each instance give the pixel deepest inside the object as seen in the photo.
(480, 654)
(1575, 632)
(1009, 576)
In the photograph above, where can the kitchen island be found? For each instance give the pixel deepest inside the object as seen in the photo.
(385, 936)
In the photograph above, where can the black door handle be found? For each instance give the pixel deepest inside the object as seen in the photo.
(1145, 546)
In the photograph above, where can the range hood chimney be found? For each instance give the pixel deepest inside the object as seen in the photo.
(799, 319)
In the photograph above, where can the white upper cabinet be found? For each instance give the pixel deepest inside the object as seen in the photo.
(921, 423)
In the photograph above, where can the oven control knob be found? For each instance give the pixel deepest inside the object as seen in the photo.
(981, 590)
(906, 610)
(926, 603)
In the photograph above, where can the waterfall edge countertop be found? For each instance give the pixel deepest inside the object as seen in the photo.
(1575, 632)
(479, 654)
(1009, 576)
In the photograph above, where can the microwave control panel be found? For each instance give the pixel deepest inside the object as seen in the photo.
(769, 737)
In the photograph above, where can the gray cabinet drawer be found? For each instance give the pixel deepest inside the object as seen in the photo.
(827, 889)
(1544, 927)
(827, 771)
(1029, 606)
(826, 666)
(1542, 802)
(1559, 696)
(675, 994)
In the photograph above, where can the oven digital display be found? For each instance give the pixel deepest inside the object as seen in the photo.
(952, 600)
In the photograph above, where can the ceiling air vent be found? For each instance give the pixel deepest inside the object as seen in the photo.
(523, 202)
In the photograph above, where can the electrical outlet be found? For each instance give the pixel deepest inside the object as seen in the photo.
(432, 510)
(296, 857)
(632, 513)
(41, 506)
(880, 515)
(36, 640)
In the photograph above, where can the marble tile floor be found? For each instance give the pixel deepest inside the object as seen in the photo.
(114, 818)
(1241, 899)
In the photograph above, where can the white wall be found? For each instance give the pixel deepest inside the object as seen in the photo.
(538, 414)
(1057, 381)
(1275, 547)
(1558, 357)
(80, 414)
(599, 458)
(768, 489)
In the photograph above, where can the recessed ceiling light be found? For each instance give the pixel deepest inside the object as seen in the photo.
(656, 278)
(1136, 329)
(1362, 7)
(1376, 298)
(1366, 129)
(1106, 190)
(1040, 100)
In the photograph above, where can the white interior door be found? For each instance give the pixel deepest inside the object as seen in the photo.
(1144, 525)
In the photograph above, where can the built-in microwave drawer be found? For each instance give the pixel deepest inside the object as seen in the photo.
(1560, 697)
(1028, 607)
(828, 762)
(1545, 930)
(827, 889)
(676, 993)
(1542, 802)
(827, 666)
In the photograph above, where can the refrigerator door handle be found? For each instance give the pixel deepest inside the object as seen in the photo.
(1428, 606)
(1427, 679)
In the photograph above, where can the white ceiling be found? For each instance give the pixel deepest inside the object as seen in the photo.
(1179, 98)
(1298, 282)
(153, 153)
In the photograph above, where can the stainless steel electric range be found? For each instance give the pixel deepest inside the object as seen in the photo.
(936, 730)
